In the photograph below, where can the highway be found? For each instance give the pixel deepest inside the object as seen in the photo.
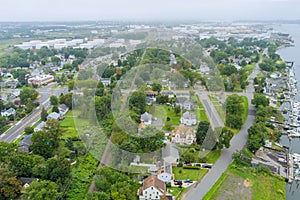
(45, 93)
(198, 191)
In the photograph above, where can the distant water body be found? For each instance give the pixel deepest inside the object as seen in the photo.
(292, 54)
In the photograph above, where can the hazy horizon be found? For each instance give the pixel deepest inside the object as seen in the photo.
(154, 10)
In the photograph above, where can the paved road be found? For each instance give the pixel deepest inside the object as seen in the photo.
(18, 129)
(210, 110)
(238, 142)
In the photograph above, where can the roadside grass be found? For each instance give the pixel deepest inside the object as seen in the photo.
(213, 156)
(203, 116)
(245, 106)
(210, 194)
(177, 192)
(262, 186)
(193, 174)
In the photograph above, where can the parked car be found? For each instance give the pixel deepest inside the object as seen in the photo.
(188, 181)
(177, 182)
(197, 164)
(207, 166)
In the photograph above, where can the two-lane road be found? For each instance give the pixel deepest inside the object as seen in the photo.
(237, 143)
(17, 130)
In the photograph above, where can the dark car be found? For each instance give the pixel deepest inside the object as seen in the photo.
(197, 164)
(188, 181)
(177, 182)
(207, 166)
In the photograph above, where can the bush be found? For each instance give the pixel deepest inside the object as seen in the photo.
(180, 164)
(191, 167)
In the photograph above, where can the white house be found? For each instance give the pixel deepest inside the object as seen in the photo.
(39, 127)
(63, 109)
(152, 189)
(106, 81)
(146, 118)
(8, 112)
(183, 135)
(53, 115)
(168, 93)
(165, 173)
(188, 105)
(188, 119)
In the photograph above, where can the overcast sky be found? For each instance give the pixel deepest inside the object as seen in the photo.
(60, 10)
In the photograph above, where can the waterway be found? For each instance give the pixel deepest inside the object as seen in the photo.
(292, 54)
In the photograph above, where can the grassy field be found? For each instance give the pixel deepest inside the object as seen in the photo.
(203, 116)
(245, 106)
(213, 156)
(193, 174)
(246, 183)
(68, 126)
(164, 111)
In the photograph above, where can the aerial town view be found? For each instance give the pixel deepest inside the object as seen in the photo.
(150, 100)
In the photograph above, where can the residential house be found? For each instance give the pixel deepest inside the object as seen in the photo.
(9, 112)
(179, 101)
(39, 127)
(63, 109)
(25, 143)
(183, 135)
(170, 154)
(168, 93)
(152, 189)
(188, 119)
(165, 173)
(150, 93)
(53, 115)
(146, 118)
(188, 104)
(105, 81)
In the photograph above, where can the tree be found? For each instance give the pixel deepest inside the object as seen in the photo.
(41, 144)
(234, 121)
(66, 99)
(177, 110)
(44, 114)
(137, 102)
(234, 105)
(57, 170)
(260, 99)
(97, 196)
(10, 186)
(54, 100)
(28, 93)
(99, 89)
(202, 129)
(225, 138)
(156, 87)
(42, 189)
(28, 130)
(55, 109)
(3, 122)
(162, 99)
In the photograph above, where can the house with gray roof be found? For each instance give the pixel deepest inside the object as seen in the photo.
(188, 119)
(8, 112)
(25, 143)
(53, 115)
(39, 127)
(170, 154)
(146, 118)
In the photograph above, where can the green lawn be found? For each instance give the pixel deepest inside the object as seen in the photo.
(68, 124)
(177, 192)
(164, 111)
(193, 174)
(262, 186)
(213, 156)
(245, 106)
(203, 116)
